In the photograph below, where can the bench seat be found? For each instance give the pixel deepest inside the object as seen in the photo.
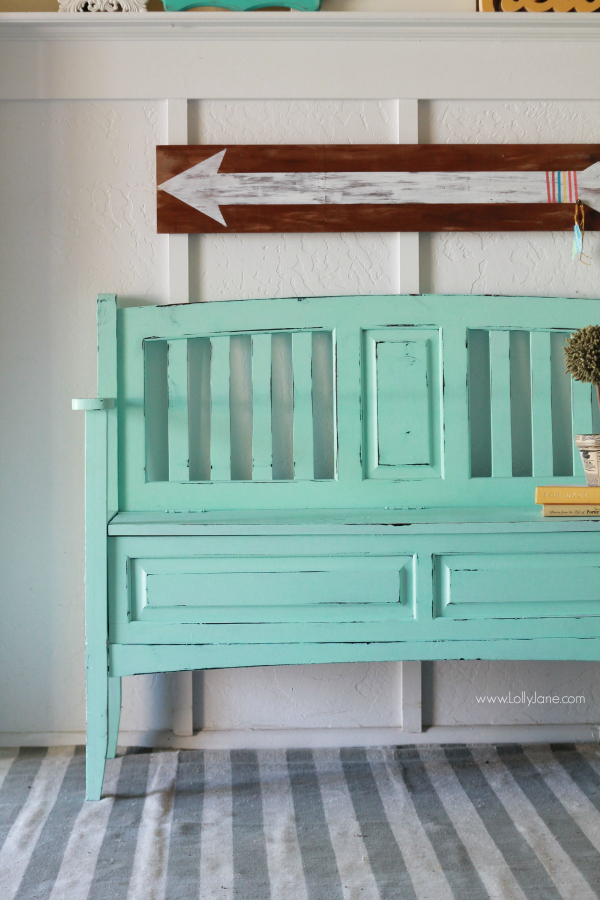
(480, 520)
(357, 583)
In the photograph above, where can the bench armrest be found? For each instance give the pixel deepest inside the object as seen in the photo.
(87, 405)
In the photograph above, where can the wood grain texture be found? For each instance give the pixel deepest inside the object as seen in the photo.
(537, 6)
(173, 216)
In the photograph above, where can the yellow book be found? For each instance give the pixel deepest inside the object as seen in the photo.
(571, 509)
(560, 493)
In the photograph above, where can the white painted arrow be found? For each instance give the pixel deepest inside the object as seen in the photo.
(203, 188)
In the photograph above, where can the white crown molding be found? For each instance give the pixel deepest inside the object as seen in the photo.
(281, 26)
(285, 56)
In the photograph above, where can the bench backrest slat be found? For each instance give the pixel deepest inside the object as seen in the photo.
(541, 404)
(262, 438)
(179, 446)
(303, 447)
(220, 409)
(500, 402)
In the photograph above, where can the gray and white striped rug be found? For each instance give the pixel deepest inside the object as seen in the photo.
(421, 823)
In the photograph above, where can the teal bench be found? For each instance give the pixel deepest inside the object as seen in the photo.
(331, 480)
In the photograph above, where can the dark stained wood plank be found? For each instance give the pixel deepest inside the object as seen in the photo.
(173, 159)
(177, 217)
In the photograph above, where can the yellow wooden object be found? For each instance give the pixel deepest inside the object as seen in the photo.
(539, 5)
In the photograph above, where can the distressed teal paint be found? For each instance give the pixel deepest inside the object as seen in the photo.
(378, 562)
(114, 715)
(402, 381)
(101, 503)
(304, 468)
(144, 659)
(541, 404)
(241, 5)
(497, 585)
(220, 426)
(500, 401)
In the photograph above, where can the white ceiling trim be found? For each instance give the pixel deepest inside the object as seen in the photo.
(312, 56)
(281, 26)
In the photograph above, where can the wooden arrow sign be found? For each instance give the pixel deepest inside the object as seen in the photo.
(427, 187)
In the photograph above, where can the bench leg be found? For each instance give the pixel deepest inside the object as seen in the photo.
(97, 730)
(114, 715)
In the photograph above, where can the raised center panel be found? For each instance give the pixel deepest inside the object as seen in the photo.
(200, 591)
(517, 585)
(402, 399)
(314, 589)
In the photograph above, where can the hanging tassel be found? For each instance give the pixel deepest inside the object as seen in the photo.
(579, 231)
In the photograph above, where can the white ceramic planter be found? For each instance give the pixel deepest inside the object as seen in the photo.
(589, 447)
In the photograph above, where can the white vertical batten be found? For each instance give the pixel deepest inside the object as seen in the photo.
(408, 283)
(179, 292)
(179, 264)
(183, 703)
(408, 242)
(411, 695)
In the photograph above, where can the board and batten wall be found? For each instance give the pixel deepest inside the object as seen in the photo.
(78, 217)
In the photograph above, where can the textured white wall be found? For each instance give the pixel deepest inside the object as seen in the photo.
(534, 263)
(78, 218)
(262, 265)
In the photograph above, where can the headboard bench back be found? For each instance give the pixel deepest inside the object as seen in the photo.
(343, 403)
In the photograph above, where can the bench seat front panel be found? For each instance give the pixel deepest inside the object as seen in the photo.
(288, 589)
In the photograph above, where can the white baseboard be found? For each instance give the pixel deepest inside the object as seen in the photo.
(319, 737)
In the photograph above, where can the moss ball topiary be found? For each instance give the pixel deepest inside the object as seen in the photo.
(582, 354)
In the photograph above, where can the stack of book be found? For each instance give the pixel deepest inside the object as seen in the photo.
(563, 500)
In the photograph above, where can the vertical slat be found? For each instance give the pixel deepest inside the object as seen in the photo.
(581, 406)
(324, 424)
(500, 404)
(411, 697)
(262, 438)
(182, 695)
(220, 420)
(179, 259)
(407, 132)
(179, 441)
(303, 410)
(199, 408)
(282, 406)
(562, 435)
(541, 403)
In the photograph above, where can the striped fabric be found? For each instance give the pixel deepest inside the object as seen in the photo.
(562, 187)
(406, 823)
